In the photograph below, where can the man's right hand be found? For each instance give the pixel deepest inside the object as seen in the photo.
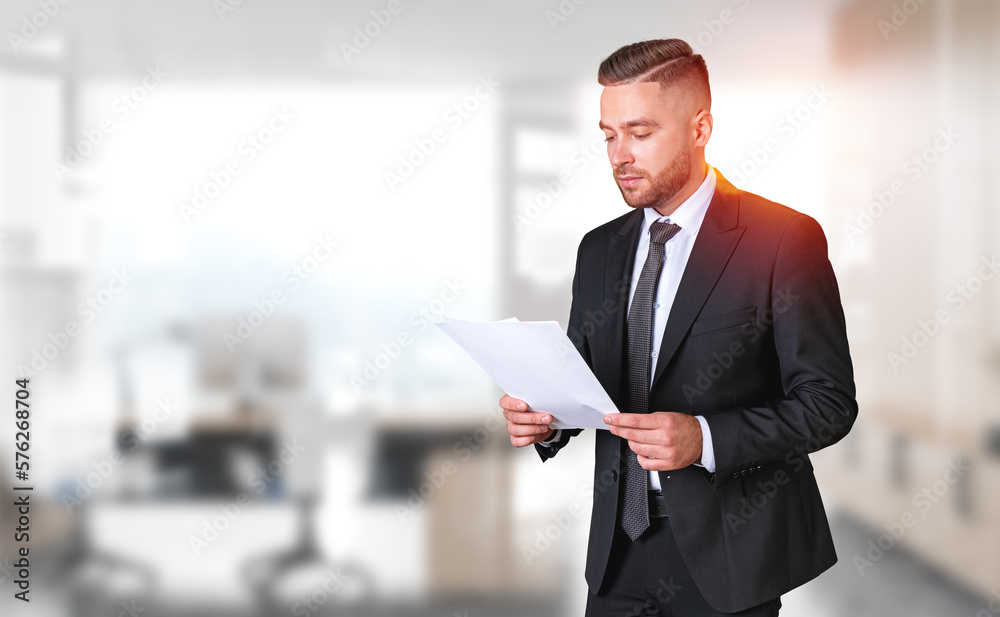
(525, 427)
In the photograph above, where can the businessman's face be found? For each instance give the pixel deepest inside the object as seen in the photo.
(652, 144)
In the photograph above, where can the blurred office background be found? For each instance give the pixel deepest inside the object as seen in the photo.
(227, 226)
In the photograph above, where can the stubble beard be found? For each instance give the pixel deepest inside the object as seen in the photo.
(663, 187)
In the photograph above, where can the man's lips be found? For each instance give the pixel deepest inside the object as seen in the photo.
(629, 181)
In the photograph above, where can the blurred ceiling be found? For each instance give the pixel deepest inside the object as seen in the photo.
(445, 40)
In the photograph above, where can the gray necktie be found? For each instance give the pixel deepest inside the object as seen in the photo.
(635, 512)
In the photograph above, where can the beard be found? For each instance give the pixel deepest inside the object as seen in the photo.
(662, 187)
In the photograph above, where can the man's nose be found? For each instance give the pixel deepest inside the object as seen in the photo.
(620, 154)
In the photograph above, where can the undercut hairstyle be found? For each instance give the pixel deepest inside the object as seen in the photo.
(670, 62)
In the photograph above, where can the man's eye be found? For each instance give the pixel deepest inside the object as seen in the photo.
(608, 139)
(643, 136)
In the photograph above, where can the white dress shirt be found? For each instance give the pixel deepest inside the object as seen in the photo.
(689, 216)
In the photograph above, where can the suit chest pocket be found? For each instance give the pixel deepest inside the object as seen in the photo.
(713, 323)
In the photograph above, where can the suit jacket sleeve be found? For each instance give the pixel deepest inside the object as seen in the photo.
(818, 405)
(547, 451)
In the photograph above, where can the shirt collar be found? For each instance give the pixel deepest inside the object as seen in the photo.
(690, 214)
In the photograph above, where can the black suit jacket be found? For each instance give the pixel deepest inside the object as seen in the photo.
(755, 342)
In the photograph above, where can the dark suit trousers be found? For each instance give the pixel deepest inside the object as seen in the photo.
(648, 578)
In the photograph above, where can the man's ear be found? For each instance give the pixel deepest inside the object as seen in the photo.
(703, 127)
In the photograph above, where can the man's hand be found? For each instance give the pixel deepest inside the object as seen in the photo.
(525, 427)
(662, 440)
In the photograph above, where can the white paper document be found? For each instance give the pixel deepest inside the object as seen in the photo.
(536, 362)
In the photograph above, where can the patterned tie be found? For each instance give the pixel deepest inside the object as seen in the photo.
(635, 512)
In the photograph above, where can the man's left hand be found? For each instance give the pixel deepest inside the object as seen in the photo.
(662, 440)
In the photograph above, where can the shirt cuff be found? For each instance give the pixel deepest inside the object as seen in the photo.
(707, 452)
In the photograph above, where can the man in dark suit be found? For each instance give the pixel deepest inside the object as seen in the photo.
(726, 306)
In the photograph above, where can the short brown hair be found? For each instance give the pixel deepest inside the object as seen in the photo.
(667, 61)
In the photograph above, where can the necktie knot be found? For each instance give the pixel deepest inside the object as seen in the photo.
(661, 231)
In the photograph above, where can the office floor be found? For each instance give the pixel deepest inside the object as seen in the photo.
(898, 584)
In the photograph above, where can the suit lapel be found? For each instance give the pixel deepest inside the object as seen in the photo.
(622, 245)
(712, 248)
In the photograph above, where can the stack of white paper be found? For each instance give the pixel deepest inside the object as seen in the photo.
(536, 362)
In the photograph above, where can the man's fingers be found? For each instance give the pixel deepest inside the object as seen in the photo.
(646, 449)
(521, 430)
(525, 427)
(527, 417)
(655, 464)
(514, 404)
(515, 410)
(643, 435)
(628, 433)
(520, 442)
(634, 420)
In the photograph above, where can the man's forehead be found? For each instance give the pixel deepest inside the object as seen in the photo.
(638, 104)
